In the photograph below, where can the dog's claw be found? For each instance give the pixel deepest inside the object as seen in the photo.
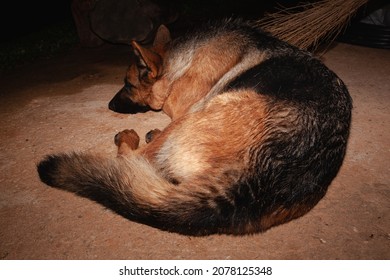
(117, 138)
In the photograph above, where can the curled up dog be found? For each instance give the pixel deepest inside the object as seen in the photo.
(259, 130)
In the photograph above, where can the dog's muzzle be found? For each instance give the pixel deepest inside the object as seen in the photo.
(121, 103)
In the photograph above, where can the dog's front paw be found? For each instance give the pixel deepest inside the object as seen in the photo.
(129, 137)
(151, 135)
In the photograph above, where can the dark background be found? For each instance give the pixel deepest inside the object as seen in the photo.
(43, 28)
(20, 18)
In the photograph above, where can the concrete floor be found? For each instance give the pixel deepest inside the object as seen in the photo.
(60, 105)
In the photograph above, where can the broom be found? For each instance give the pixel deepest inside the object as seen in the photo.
(308, 25)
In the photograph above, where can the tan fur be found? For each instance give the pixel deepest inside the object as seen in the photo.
(282, 215)
(192, 146)
(204, 71)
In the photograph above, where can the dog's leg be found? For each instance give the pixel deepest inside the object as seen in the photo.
(126, 140)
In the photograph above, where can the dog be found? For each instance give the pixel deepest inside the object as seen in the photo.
(259, 130)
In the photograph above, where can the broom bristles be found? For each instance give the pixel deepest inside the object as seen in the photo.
(307, 25)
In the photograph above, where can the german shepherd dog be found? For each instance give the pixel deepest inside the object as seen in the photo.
(259, 130)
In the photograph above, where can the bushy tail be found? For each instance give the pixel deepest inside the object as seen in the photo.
(134, 189)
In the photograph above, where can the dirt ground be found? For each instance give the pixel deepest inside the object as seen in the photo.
(60, 105)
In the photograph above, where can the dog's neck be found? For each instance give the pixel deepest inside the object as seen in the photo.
(176, 106)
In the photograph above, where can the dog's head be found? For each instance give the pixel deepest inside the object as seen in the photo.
(136, 95)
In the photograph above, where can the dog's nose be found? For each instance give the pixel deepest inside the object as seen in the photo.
(111, 106)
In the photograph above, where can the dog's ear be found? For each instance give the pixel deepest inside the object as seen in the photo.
(162, 39)
(151, 59)
(148, 59)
